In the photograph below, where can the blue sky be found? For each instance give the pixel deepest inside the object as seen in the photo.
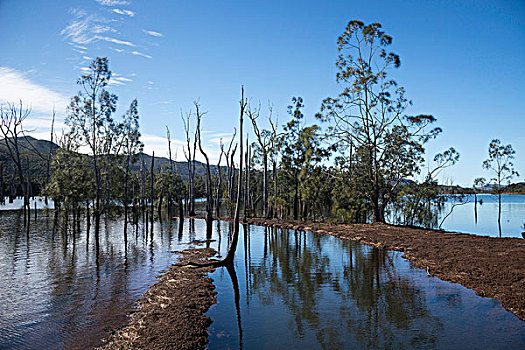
(461, 61)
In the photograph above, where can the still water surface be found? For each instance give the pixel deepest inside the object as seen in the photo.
(463, 218)
(299, 290)
(296, 290)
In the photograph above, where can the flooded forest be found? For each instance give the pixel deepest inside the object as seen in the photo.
(333, 234)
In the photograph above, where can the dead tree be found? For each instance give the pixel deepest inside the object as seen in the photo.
(151, 181)
(168, 136)
(233, 245)
(228, 260)
(229, 171)
(2, 193)
(190, 157)
(218, 183)
(265, 141)
(11, 128)
(247, 181)
(209, 191)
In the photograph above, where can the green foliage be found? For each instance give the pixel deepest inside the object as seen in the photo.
(500, 163)
(379, 144)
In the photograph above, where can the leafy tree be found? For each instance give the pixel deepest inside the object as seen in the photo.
(129, 146)
(500, 163)
(90, 121)
(367, 119)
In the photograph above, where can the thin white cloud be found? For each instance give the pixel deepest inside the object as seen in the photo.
(100, 29)
(117, 79)
(15, 86)
(153, 33)
(117, 50)
(137, 53)
(124, 12)
(123, 79)
(112, 2)
(115, 41)
(159, 144)
(83, 28)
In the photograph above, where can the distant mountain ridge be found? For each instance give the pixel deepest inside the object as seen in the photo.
(35, 152)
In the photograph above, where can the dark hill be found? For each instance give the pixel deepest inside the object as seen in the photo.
(35, 152)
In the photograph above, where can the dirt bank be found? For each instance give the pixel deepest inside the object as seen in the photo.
(493, 267)
(171, 313)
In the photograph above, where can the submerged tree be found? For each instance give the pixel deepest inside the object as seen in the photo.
(90, 121)
(479, 183)
(11, 120)
(368, 117)
(500, 163)
(130, 147)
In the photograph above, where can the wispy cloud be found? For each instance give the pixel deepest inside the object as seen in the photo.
(80, 30)
(99, 27)
(124, 12)
(115, 41)
(117, 79)
(112, 2)
(15, 86)
(153, 33)
(137, 53)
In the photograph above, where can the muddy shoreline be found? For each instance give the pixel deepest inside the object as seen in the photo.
(170, 315)
(492, 267)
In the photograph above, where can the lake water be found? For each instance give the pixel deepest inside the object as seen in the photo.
(300, 290)
(463, 219)
(296, 290)
(56, 293)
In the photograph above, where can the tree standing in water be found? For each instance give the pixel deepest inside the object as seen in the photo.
(89, 117)
(479, 183)
(368, 117)
(500, 163)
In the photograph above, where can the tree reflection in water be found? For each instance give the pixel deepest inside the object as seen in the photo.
(355, 298)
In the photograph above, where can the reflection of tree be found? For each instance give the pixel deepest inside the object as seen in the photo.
(377, 306)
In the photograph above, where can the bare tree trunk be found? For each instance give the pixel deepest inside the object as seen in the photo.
(275, 189)
(49, 156)
(233, 245)
(143, 188)
(28, 190)
(169, 194)
(209, 191)
(246, 176)
(126, 177)
(218, 185)
(2, 193)
(151, 198)
(265, 186)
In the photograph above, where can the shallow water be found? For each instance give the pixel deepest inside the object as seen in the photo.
(57, 294)
(300, 290)
(296, 290)
(463, 218)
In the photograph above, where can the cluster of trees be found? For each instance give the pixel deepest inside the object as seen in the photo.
(357, 168)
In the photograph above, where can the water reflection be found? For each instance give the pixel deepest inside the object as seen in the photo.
(60, 291)
(310, 291)
(480, 218)
(288, 289)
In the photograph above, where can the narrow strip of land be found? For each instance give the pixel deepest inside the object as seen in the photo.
(492, 267)
(171, 313)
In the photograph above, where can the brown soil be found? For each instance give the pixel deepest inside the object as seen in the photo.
(493, 267)
(171, 313)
